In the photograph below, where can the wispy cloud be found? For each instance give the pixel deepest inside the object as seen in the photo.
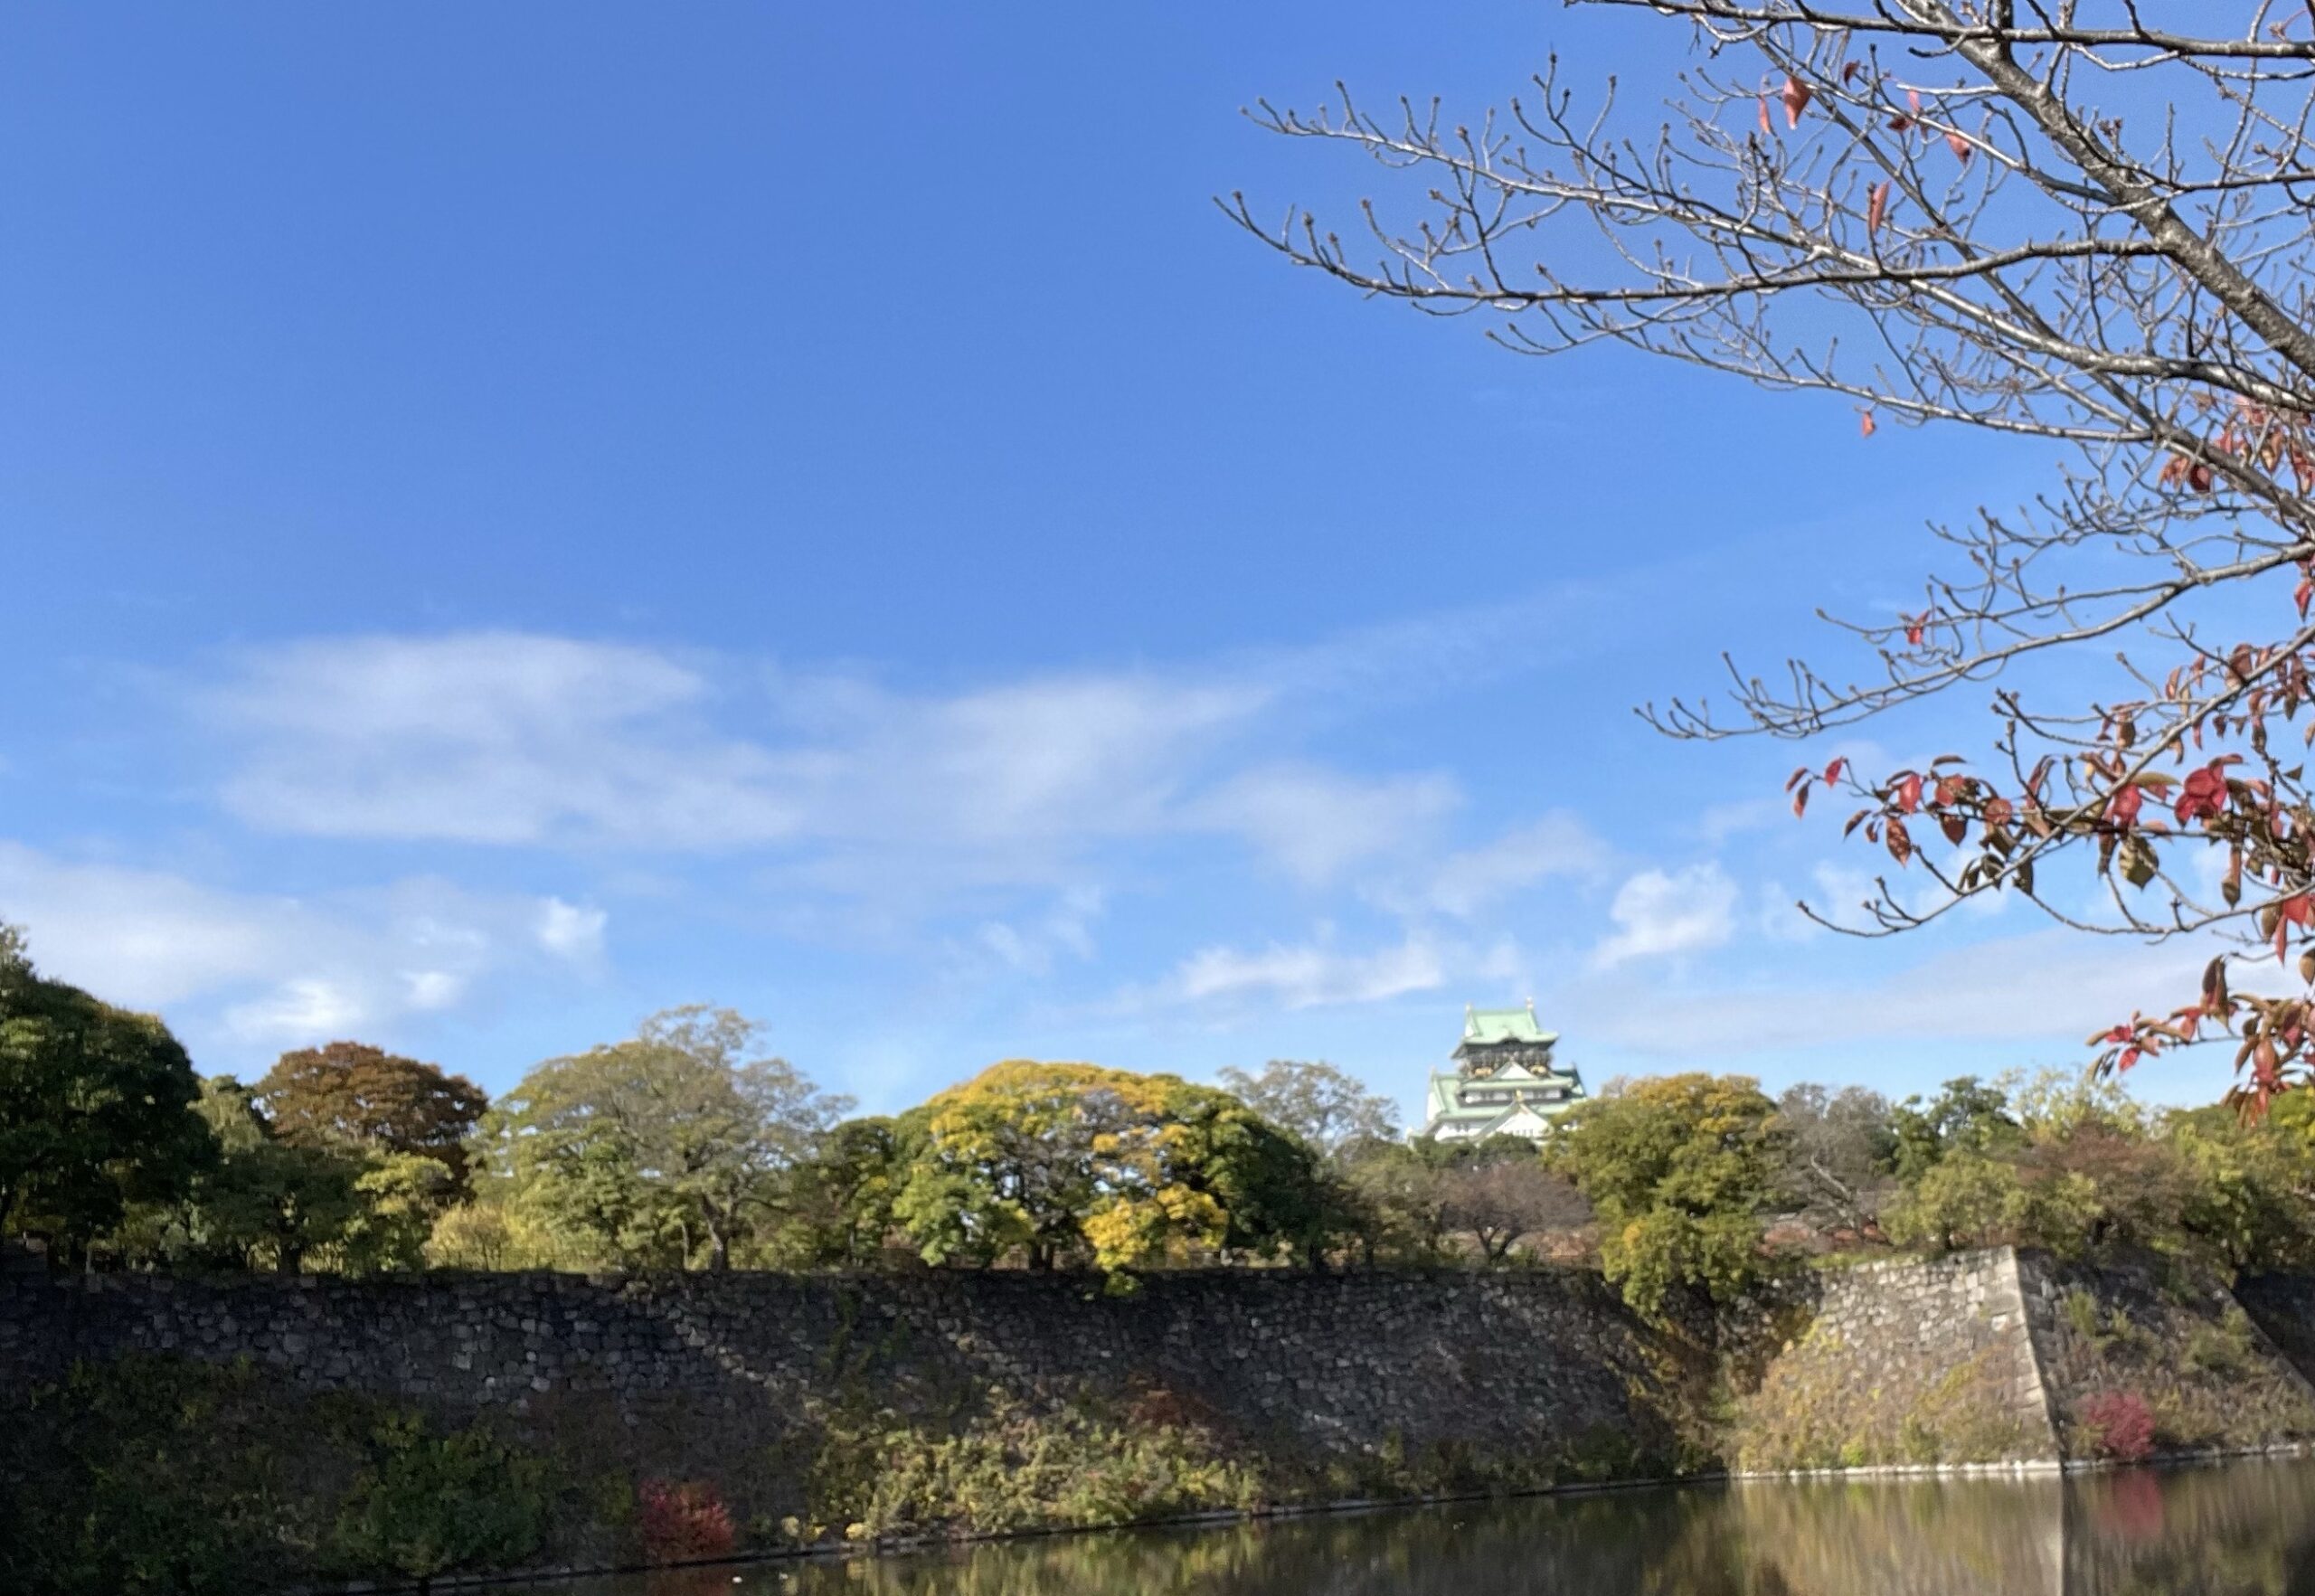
(1656, 913)
(1317, 823)
(1320, 974)
(2046, 985)
(522, 740)
(1557, 845)
(278, 969)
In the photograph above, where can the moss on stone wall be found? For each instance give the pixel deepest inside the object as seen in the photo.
(2175, 1340)
(1813, 1412)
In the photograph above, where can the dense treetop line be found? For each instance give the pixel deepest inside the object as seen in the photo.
(685, 1147)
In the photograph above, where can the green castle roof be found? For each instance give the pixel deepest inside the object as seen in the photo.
(1489, 1025)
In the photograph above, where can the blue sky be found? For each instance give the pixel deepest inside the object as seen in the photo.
(518, 517)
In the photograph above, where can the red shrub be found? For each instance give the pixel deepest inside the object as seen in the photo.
(2120, 1424)
(683, 1523)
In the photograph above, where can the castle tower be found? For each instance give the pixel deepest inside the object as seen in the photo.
(1504, 1081)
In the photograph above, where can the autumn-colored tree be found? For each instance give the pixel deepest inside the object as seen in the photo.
(95, 1110)
(1063, 1163)
(2074, 223)
(1840, 1154)
(1501, 1195)
(351, 1094)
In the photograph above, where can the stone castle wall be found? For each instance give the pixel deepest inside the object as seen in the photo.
(1482, 1380)
(1290, 1363)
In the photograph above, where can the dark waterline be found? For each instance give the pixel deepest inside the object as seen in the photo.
(2234, 1529)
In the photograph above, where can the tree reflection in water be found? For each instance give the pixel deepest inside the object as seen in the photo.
(2241, 1529)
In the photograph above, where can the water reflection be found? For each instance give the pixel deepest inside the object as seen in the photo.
(2242, 1529)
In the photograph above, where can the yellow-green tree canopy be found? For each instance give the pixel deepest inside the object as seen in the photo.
(1680, 1169)
(1072, 1162)
(661, 1148)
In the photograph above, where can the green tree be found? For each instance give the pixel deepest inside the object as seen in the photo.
(1323, 1105)
(1681, 1169)
(1066, 1163)
(1393, 1194)
(351, 1094)
(1966, 1115)
(1964, 1199)
(263, 1202)
(2248, 1203)
(398, 1199)
(95, 1110)
(841, 1200)
(666, 1148)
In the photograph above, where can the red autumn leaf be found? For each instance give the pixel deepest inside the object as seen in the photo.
(1901, 841)
(1849, 73)
(1865, 422)
(2305, 591)
(1960, 147)
(2296, 910)
(1913, 99)
(1908, 793)
(1955, 827)
(1797, 96)
(1877, 206)
(2199, 478)
(2190, 1021)
(1766, 125)
(2122, 808)
(1833, 771)
(1799, 801)
(1796, 779)
(2127, 1057)
(2203, 795)
(1998, 811)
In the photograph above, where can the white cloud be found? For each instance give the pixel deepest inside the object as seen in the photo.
(1318, 973)
(1032, 948)
(569, 931)
(305, 1010)
(1557, 845)
(499, 738)
(270, 968)
(518, 739)
(523, 739)
(1657, 914)
(1305, 977)
(1720, 822)
(2051, 986)
(1316, 823)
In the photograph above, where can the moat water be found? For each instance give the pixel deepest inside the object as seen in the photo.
(2234, 1529)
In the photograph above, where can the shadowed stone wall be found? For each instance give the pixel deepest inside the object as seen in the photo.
(697, 1368)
